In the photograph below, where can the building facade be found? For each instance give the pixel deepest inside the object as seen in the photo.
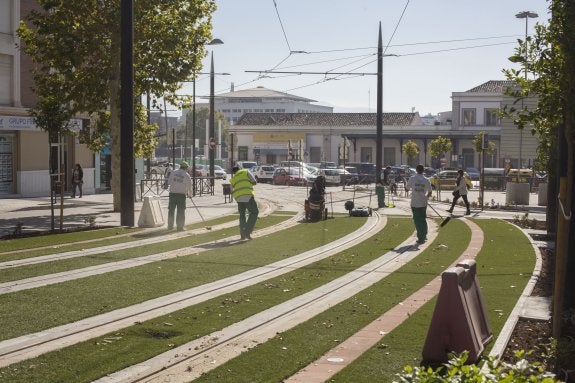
(25, 168)
(317, 137)
(263, 100)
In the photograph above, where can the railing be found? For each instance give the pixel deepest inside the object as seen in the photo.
(155, 187)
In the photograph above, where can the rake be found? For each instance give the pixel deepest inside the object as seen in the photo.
(445, 220)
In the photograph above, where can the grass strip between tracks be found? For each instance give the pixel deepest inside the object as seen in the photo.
(45, 268)
(61, 243)
(504, 266)
(94, 358)
(41, 308)
(285, 354)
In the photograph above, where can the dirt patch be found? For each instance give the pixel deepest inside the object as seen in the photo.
(535, 336)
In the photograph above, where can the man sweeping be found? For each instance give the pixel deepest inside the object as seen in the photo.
(420, 192)
(180, 185)
(243, 192)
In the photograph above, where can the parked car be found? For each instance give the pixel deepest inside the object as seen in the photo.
(520, 175)
(473, 173)
(365, 171)
(246, 164)
(428, 171)
(333, 176)
(446, 180)
(263, 173)
(289, 176)
(219, 172)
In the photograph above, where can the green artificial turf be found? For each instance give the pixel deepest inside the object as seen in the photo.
(57, 240)
(94, 358)
(504, 266)
(56, 266)
(36, 246)
(292, 350)
(37, 309)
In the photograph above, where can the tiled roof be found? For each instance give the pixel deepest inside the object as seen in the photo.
(261, 92)
(493, 86)
(325, 119)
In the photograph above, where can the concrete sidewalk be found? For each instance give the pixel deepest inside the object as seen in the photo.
(35, 214)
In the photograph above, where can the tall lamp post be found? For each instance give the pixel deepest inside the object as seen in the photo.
(524, 15)
(211, 144)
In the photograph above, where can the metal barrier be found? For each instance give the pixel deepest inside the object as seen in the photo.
(203, 185)
(155, 186)
(151, 187)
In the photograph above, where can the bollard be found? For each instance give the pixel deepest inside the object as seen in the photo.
(151, 214)
(459, 322)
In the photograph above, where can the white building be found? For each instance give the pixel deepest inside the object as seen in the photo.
(262, 100)
(316, 137)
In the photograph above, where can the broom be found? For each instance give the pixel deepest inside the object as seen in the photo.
(200, 214)
(445, 220)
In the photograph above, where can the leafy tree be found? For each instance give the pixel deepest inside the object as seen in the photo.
(550, 56)
(410, 149)
(439, 146)
(78, 42)
(478, 144)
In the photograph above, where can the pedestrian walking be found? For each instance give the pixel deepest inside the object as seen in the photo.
(420, 192)
(243, 183)
(77, 180)
(180, 185)
(460, 191)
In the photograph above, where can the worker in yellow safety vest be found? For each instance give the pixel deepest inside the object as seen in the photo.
(243, 183)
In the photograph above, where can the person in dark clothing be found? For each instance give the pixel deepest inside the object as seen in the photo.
(77, 180)
(460, 191)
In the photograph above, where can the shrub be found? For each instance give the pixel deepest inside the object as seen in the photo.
(494, 370)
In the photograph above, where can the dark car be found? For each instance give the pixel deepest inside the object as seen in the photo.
(365, 171)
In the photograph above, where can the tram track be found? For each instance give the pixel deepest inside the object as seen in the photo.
(32, 345)
(69, 275)
(192, 359)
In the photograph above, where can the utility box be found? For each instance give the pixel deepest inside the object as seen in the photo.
(459, 322)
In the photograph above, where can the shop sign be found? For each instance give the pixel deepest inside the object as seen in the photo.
(27, 123)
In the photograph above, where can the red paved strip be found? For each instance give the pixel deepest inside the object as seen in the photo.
(346, 352)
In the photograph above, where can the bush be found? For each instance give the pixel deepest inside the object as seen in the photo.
(494, 370)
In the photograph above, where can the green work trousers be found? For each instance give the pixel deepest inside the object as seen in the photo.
(177, 201)
(247, 224)
(419, 216)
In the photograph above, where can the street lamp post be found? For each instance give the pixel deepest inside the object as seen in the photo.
(524, 15)
(211, 147)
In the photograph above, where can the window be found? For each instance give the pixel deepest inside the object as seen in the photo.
(491, 117)
(280, 110)
(247, 110)
(242, 153)
(237, 110)
(6, 66)
(269, 110)
(469, 117)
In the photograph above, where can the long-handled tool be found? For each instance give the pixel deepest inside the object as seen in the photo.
(200, 214)
(445, 220)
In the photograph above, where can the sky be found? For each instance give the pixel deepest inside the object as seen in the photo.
(431, 49)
